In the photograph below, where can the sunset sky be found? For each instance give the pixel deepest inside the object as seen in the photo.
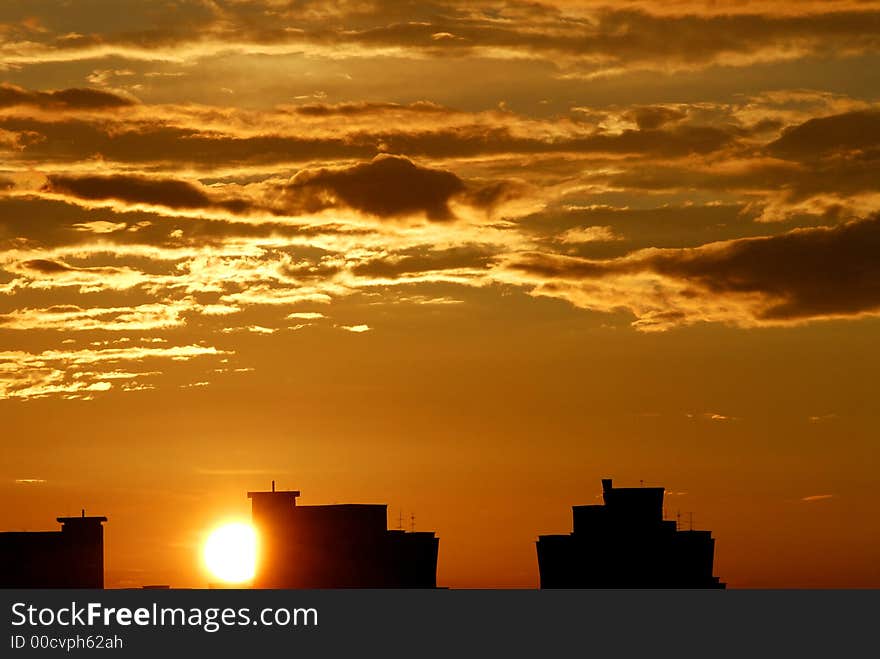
(466, 258)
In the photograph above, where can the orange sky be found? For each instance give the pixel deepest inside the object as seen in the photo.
(463, 258)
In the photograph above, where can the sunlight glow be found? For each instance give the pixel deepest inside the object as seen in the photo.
(230, 552)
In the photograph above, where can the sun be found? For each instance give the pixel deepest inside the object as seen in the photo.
(230, 552)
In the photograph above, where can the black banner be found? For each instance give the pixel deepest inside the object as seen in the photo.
(392, 623)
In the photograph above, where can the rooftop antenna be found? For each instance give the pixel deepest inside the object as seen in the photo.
(412, 521)
(641, 483)
(400, 519)
(677, 520)
(273, 485)
(691, 519)
(83, 512)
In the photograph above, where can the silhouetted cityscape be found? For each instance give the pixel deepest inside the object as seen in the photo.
(623, 543)
(626, 543)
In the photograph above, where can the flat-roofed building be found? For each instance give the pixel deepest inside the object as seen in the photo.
(626, 543)
(337, 546)
(70, 558)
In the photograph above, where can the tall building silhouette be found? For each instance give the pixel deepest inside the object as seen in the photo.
(70, 558)
(626, 543)
(337, 546)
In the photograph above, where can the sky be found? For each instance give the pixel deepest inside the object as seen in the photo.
(463, 258)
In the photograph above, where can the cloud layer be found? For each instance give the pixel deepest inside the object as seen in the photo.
(215, 174)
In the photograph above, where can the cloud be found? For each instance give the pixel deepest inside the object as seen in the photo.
(821, 135)
(151, 316)
(51, 268)
(47, 274)
(163, 215)
(367, 108)
(65, 99)
(79, 374)
(255, 329)
(386, 187)
(426, 259)
(817, 497)
(176, 136)
(390, 186)
(590, 234)
(789, 278)
(652, 117)
(100, 226)
(711, 416)
(136, 190)
(583, 38)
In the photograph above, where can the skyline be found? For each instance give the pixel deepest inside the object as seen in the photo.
(465, 258)
(625, 542)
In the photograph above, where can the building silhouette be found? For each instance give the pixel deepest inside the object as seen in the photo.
(337, 546)
(626, 543)
(70, 558)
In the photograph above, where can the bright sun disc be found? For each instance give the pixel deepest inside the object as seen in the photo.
(231, 552)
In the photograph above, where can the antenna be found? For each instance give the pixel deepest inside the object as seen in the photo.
(83, 512)
(273, 485)
(677, 520)
(691, 518)
(412, 521)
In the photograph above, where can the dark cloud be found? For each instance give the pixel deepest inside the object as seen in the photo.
(171, 193)
(52, 268)
(586, 39)
(822, 135)
(783, 184)
(387, 186)
(59, 269)
(662, 226)
(426, 259)
(391, 186)
(614, 35)
(144, 142)
(655, 116)
(813, 272)
(800, 275)
(367, 108)
(65, 99)
(480, 140)
(71, 140)
(46, 267)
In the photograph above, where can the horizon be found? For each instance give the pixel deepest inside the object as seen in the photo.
(222, 567)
